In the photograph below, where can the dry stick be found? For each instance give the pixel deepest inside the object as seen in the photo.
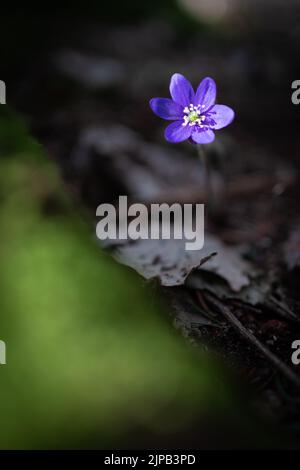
(286, 371)
(283, 310)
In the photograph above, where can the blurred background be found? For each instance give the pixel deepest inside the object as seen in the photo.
(97, 357)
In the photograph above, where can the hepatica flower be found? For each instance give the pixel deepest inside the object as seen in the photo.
(195, 115)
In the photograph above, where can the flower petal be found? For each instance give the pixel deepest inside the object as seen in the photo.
(181, 90)
(206, 93)
(222, 115)
(203, 136)
(176, 132)
(166, 108)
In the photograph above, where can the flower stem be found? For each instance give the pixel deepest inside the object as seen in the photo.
(207, 175)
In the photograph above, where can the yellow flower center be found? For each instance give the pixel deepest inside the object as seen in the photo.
(193, 116)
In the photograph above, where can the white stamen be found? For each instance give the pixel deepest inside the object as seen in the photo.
(191, 112)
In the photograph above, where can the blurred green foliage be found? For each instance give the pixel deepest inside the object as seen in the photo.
(91, 356)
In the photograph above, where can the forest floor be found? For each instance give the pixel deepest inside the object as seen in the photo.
(87, 103)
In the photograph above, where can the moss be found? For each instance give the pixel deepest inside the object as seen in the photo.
(89, 352)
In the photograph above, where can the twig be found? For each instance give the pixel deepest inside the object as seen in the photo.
(281, 366)
(282, 310)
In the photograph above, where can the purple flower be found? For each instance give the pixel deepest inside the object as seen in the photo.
(195, 115)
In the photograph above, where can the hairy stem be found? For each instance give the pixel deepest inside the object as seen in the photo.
(206, 175)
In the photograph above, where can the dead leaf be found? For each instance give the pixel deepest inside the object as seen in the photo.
(171, 263)
(229, 264)
(166, 260)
